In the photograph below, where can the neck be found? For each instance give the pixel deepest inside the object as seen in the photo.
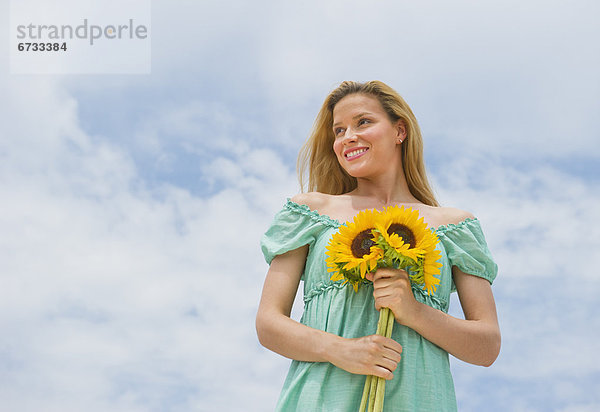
(385, 190)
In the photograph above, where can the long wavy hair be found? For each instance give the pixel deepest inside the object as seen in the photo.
(325, 174)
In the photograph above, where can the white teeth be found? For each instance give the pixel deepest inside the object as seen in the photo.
(355, 153)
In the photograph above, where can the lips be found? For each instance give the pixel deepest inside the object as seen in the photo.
(354, 153)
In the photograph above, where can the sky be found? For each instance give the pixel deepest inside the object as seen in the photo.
(132, 206)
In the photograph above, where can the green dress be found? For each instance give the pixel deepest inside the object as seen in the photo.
(422, 381)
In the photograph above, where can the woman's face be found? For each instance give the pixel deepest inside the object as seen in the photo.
(366, 141)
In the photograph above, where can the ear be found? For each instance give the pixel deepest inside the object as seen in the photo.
(400, 131)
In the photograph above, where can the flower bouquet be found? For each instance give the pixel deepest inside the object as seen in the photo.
(394, 238)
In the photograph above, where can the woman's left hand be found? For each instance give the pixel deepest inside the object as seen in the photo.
(391, 289)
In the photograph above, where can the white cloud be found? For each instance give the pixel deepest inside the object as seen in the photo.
(118, 297)
(494, 76)
(530, 213)
(119, 294)
(538, 224)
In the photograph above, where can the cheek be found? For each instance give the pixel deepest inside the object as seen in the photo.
(337, 148)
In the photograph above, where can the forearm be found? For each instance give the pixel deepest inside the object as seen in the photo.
(275, 329)
(368, 355)
(294, 340)
(473, 341)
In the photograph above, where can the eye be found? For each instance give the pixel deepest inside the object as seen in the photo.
(363, 121)
(338, 131)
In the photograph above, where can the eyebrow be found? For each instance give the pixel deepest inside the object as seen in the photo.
(355, 117)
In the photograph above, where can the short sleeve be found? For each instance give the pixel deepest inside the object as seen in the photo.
(467, 249)
(293, 226)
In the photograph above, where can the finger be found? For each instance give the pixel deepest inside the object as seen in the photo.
(391, 344)
(383, 284)
(395, 307)
(395, 284)
(382, 287)
(380, 303)
(382, 273)
(388, 364)
(384, 302)
(370, 276)
(392, 355)
(390, 273)
(387, 299)
(381, 343)
(382, 372)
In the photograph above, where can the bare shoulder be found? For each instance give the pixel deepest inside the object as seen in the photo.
(314, 200)
(451, 215)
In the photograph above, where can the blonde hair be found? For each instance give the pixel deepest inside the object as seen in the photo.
(325, 174)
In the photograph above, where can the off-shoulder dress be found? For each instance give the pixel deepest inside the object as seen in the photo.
(422, 381)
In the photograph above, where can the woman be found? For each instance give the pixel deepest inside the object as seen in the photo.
(365, 152)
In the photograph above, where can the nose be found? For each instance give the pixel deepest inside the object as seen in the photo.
(349, 136)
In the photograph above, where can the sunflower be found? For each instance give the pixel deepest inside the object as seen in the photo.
(401, 229)
(352, 251)
(396, 237)
(409, 243)
(431, 267)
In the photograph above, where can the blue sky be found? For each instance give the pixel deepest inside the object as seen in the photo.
(124, 197)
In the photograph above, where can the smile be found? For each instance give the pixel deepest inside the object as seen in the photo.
(355, 153)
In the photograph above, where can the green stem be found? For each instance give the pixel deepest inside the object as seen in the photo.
(378, 391)
(390, 324)
(372, 389)
(370, 381)
(378, 406)
(365, 395)
(387, 319)
(381, 323)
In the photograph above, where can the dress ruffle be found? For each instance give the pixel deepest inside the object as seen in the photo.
(337, 308)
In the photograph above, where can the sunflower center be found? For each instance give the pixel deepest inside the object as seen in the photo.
(361, 245)
(404, 232)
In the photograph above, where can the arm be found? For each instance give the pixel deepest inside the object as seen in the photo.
(371, 355)
(475, 339)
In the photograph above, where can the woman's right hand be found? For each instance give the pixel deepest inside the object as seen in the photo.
(369, 355)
